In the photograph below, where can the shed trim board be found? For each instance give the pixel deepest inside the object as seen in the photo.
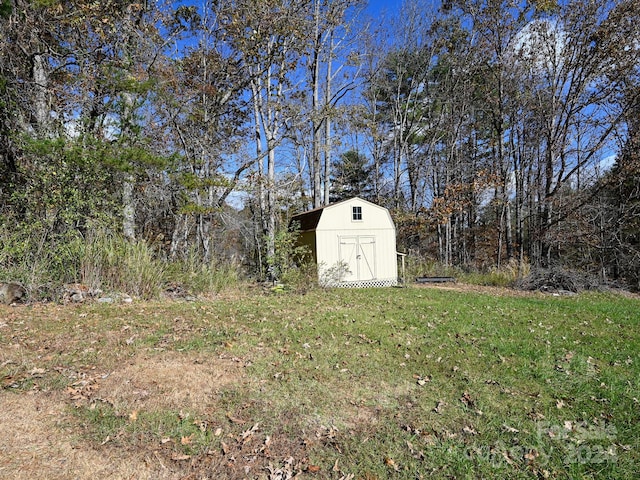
(353, 242)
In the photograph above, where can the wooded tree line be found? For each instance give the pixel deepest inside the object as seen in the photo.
(498, 131)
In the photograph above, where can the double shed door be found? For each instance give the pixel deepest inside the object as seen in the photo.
(359, 253)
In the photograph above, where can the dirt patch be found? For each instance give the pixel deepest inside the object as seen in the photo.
(510, 292)
(39, 438)
(34, 445)
(465, 287)
(171, 381)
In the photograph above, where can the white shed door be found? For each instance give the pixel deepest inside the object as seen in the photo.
(359, 253)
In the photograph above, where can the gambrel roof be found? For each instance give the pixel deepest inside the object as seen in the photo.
(308, 221)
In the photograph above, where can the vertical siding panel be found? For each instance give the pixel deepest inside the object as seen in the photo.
(336, 221)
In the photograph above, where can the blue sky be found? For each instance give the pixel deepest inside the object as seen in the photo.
(380, 6)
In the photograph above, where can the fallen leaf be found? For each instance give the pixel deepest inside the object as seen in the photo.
(251, 431)
(233, 419)
(467, 400)
(507, 458)
(265, 446)
(179, 458)
(202, 426)
(559, 404)
(533, 415)
(186, 440)
(429, 440)
(439, 406)
(509, 429)
(133, 416)
(390, 462)
(531, 455)
(225, 448)
(313, 469)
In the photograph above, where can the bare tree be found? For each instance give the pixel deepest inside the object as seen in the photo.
(333, 72)
(269, 37)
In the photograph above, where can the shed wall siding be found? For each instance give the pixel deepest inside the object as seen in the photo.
(372, 237)
(308, 239)
(328, 248)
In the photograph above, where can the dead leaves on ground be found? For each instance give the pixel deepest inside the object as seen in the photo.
(422, 380)
(22, 377)
(440, 406)
(287, 471)
(252, 452)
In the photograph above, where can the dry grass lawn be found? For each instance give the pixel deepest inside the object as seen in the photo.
(38, 441)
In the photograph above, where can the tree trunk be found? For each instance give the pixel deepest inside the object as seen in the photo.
(508, 229)
(271, 200)
(42, 109)
(327, 132)
(315, 111)
(128, 207)
(128, 186)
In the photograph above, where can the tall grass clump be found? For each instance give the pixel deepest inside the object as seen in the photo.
(39, 258)
(111, 262)
(43, 261)
(198, 276)
(507, 274)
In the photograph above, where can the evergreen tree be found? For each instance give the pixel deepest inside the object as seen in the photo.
(352, 177)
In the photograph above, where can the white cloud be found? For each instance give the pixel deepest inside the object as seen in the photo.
(539, 46)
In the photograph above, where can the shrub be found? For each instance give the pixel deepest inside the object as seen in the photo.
(558, 277)
(332, 276)
(291, 262)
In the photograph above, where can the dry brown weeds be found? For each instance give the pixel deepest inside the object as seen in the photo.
(39, 438)
(35, 443)
(170, 381)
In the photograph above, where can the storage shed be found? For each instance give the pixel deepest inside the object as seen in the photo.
(353, 243)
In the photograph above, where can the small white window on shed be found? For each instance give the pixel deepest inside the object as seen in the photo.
(356, 213)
